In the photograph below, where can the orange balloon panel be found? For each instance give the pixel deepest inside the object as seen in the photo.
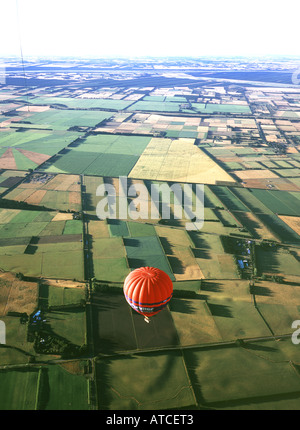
(148, 290)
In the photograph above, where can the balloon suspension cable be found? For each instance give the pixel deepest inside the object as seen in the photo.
(147, 319)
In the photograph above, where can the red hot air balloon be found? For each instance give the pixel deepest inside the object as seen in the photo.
(148, 290)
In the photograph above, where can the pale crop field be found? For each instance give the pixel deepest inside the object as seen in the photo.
(178, 160)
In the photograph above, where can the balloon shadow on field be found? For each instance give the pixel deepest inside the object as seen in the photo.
(192, 362)
(107, 387)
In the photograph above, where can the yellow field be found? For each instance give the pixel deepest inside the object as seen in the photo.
(256, 227)
(98, 229)
(36, 197)
(184, 265)
(255, 174)
(33, 108)
(63, 183)
(178, 160)
(62, 217)
(195, 326)
(282, 294)
(176, 245)
(16, 295)
(292, 221)
(175, 236)
(7, 215)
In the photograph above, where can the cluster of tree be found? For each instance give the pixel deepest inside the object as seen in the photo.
(274, 278)
(47, 342)
(69, 307)
(100, 287)
(22, 315)
(279, 147)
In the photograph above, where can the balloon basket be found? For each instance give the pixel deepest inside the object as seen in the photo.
(147, 320)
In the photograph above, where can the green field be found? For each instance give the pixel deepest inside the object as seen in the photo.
(59, 296)
(81, 103)
(109, 259)
(118, 227)
(229, 199)
(101, 155)
(233, 165)
(280, 202)
(52, 388)
(146, 251)
(91, 183)
(62, 119)
(58, 254)
(288, 173)
(213, 315)
(52, 263)
(40, 141)
(220, 108)
(259, 375)
(114, 144)
(140, 229)
(237, 319)
(210, 199)
(279, 317)
(69, 324)
(251, 201)
(145, 390)
(278, 260)
(73, 227)
(172, 106)
(18, 389)
(156, 106)
(19, 350)
(210, 256)
(63, 389)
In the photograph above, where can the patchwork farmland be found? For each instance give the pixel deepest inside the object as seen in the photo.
(224, 340)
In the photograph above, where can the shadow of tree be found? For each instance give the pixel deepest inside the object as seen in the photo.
(212, 286)
(260, 291)
(166, 245)
(89, 203)
(176, 265)
(30, 249)
(267, 260)
(201, 253)
(250, 224)
(218, 310)
(135, 263)
(192, 363)
(44, 393)
(258, 347)
(131, 242)
(181, 305)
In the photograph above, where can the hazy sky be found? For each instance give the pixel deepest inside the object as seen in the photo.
(149, 28)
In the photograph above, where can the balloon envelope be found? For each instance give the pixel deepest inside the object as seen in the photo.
(148, 290)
